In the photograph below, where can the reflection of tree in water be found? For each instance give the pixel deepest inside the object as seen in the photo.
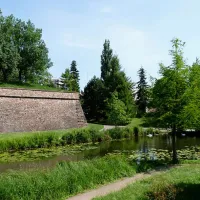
(144, 146)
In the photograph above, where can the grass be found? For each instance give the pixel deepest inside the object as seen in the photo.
(64, 180)
(59, 132)
(95, 126)
(47, 139)
(30, 86)
(180, 183)
(137, 122)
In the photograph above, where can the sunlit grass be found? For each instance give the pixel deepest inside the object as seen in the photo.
(180, 183)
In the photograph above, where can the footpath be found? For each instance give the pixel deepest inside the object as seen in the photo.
(116, 186)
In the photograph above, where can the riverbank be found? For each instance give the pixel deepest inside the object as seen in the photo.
(68, 178)
(71, 178)
(46, 139)
(180, 183)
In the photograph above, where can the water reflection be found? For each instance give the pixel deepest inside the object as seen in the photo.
(139, 143)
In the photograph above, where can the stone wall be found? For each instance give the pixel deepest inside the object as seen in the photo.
(34, 110)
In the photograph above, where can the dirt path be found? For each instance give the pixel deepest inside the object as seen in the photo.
(116, 186)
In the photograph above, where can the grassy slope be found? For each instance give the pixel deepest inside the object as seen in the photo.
(30, 86)
(182, 183)
(136, 122)
(22, 134)
(65, 180)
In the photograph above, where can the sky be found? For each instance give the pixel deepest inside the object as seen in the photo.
(139, 31)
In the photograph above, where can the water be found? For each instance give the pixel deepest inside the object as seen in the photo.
(142, 144)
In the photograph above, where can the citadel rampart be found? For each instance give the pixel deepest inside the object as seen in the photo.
(23, 110)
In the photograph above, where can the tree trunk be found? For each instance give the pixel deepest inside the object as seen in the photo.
(5, 78)
(175, 159)
(20, 75)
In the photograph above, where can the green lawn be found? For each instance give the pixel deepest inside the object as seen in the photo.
(95, 126)
(30, 86)
(22, 134)
(136, 122)
(182, 183)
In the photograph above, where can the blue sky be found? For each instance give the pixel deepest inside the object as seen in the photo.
(139, 31)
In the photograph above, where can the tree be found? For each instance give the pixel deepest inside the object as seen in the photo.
(66, 80)
(190, 115)
(93, 99)
(117, 111)
(32, 50)
(74, 74)
(23, 53)
(106, 57)
(9, 57)
(117, 81)
(168, 91)
(142, 93)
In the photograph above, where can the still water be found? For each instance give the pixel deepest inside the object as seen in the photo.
(142, 144)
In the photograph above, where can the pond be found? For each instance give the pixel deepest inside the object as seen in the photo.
(142, 144)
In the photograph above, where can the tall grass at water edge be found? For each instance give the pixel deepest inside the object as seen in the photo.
(66, 179)
(60, 138)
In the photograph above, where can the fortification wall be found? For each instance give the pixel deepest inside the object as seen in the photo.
(24, 110)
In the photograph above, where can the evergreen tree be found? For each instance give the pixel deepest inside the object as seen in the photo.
(106, 57)
(74, 76)
(141, 93)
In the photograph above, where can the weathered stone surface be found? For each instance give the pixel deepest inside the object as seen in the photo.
(33, 110)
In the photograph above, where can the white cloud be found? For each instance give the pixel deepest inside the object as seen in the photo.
(77, 41)
(106, 10)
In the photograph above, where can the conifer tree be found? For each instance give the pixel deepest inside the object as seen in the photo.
(74, 75)
(106, 57)
(142, 93)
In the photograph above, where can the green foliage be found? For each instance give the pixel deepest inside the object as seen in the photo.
(70, 78)
(106, 57)
(66, 179)
(23, 53)
(9, 55)
(117, 111)
(74, 77)
(190, 115)
(168, 91)
(99, 91)
(93, 99)
(66, 80)
(142, 93)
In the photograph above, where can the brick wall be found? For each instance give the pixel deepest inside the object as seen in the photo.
(33, 110)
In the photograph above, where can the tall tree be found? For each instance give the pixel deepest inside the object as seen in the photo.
(117, 81)
(106, 57)
(190, 116)
(9, 57)
(33, 53)
(74, 74)
(142, 93)
(168, 91)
